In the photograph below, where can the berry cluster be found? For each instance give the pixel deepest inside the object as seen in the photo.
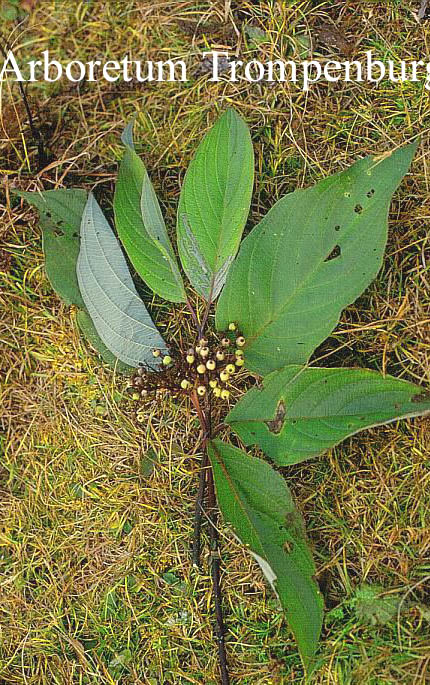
(204, 368)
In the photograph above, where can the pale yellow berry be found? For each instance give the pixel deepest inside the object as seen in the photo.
(231, 326)
(225, 394)
(143, 393)
(230, 368)
(135, 396)
(213, 383)
(220, 356)
(140, 418)
(225, 342)
(239, 361)
(224, 375)
(238, 353)
(210, 364)
(198, 348)
(201, 368)
(217, 392)
(204, 351)
(203, 342)
(156, 353)
(167, 360)
(240, 341)
(190, 358)
(201, 390)
(185, 384)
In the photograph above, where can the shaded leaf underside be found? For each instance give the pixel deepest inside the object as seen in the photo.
(118, 313)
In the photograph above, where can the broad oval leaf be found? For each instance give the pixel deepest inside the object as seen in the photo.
(255, 500)
(119, 315)
(141, 226)
(303, 411)
(312, 255)
(214, 203)
(60, 220)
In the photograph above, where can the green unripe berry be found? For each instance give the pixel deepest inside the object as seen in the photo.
(167, 360)
(238, 353)
(232, 326)
(213, 383)
(239, 361)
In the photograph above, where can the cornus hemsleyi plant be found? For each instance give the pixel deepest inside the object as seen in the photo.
(278, 295)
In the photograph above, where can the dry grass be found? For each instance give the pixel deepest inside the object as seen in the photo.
(96, 584)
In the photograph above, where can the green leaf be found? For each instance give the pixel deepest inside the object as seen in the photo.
(371, 608)
(119, 315)
(214, 204)
(60, 219)
(301, 412)
(312, 255)
(257, 503)
(141, 226)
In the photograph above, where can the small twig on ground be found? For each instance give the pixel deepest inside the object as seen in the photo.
(215, 569)
(42, 157)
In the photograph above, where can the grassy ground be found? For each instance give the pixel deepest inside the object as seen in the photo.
(96, 582)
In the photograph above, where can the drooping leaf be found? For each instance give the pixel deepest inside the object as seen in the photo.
(214, 203)
(87, 327)
(141, 226)
(60, 219)
(119, 315)
(313, 254)
(255, 500)
(301, 412)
